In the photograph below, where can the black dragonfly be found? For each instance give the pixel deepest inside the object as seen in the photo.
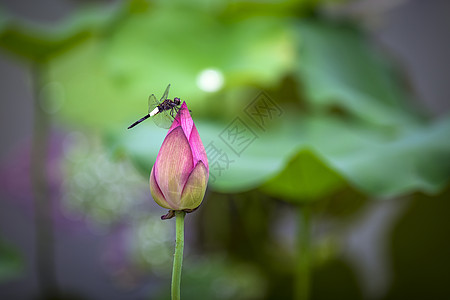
(162, 112)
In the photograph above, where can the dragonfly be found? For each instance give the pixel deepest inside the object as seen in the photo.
(163, 112)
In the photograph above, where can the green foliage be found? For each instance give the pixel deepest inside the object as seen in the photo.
(349, 131)
(113, 76)
(330, 153)
(352, 124)
(40, 43)
(11, 262)
(305, 177)
(340, 69)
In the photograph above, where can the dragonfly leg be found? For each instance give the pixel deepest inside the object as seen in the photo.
(171, 114)
(174, 112)
(176, 109)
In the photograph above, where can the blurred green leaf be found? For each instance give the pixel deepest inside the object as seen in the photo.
(107, 81)
(383, 151)
(113, 76)
(376, 163)
(256, 164)
(306, 178)
(330, 151)
(340, 69)
(11, 263)
(389, 164)
(39, 43)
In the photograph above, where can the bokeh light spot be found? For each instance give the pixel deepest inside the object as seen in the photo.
(210, 80)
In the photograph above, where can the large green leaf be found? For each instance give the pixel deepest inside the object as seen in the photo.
(113, 75)
(417, 159)
(42, 42)
(316, 156)
(340, 69)
(249, 169)
(305, 178)
(375, 163)
(383, 151)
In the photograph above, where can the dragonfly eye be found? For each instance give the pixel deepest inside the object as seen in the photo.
(177, 100)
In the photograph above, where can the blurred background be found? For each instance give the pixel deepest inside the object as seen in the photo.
(326, 125)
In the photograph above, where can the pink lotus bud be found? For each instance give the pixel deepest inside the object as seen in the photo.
(180, 174)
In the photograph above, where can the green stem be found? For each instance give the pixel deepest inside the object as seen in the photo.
(303, 271)
(178, 256)
(44, 240)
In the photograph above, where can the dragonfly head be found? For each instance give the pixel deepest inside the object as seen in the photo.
(177, 101)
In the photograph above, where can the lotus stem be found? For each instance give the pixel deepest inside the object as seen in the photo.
(178, 256)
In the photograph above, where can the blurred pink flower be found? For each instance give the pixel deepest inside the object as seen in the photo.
(180, 174)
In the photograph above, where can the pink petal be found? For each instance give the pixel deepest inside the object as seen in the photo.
(195, 187)
(184, 120)
(173, 166)
(198, 150)
(157, 195)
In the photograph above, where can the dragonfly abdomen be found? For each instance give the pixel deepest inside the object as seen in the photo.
(139, 121)
(155, 111)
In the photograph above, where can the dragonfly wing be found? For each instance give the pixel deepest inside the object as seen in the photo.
(152, 103)
(163, 119)
(165, 95)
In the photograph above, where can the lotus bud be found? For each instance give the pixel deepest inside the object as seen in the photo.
(180, 174)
